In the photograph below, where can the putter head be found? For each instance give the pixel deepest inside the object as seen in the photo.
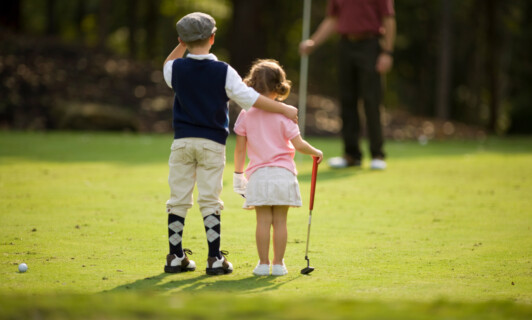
(307, 270)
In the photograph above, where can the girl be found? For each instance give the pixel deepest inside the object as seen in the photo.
(270, 140)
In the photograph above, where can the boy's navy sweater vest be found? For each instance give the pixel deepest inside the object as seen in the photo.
(200, 103)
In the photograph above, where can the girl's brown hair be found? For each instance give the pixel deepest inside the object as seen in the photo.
(267, 76)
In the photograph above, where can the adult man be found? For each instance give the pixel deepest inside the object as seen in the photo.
(367, 30)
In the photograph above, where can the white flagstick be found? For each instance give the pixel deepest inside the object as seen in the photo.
(303, 74)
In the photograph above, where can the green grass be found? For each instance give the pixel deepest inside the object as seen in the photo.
(444, 233)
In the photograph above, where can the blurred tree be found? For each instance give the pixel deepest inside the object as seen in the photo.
(103, 22)
(458, 60)
(81, 11)
(247, 32)
(51, 27)
(152, 15)
(518, 22)
(132, 25)
(413, 77)
(10, 14)
(262, 29)
(443, 81)
(494, 43)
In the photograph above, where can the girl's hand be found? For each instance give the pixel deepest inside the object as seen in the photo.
(319, 156)
(240, 183)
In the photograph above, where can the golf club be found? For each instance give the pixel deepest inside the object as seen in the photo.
(308, 269)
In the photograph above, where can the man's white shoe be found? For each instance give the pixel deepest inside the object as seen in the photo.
(337, 162)
(343, 162)
(378, 164)
(262, 270)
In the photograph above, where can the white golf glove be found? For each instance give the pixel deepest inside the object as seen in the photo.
(239, 184)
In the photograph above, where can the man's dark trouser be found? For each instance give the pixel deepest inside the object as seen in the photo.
(359, 79)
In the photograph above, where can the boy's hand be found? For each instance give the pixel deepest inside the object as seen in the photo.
(177, 53)
(290, 112)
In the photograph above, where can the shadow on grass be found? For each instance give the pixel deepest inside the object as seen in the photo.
(205, 284)
(326, 173)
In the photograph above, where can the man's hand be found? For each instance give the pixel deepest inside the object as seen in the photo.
(384, 63)
(326, 28)
(306, 47)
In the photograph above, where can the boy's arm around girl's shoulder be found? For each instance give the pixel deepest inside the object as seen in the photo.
(270, 105)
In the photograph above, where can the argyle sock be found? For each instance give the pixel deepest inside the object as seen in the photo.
(175, 234)
(212, 229)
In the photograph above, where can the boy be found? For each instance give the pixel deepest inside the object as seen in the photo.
(202, 86)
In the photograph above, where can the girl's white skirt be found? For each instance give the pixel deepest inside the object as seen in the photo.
(272, 186)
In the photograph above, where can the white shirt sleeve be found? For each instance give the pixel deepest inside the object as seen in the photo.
(237, 90)
(167, 72)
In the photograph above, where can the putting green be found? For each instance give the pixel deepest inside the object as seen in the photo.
(447, 224)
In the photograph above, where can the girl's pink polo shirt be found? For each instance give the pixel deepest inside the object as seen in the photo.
(268, 139)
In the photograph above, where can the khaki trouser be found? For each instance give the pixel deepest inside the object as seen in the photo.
(195, 161)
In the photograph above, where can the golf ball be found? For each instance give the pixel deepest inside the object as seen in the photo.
(22, 267)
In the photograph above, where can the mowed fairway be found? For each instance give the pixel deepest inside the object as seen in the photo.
(444, 232)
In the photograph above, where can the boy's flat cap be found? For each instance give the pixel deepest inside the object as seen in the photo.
(196, 26)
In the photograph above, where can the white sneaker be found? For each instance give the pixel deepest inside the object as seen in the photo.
(343, 162)
(279, 269)
(378, 164)
(262, 270)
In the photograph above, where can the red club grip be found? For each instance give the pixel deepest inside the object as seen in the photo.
(313, 182)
